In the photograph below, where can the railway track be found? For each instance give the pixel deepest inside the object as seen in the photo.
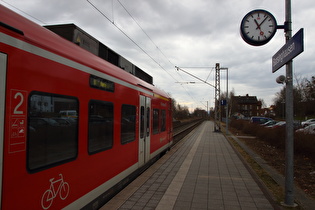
(182, 129)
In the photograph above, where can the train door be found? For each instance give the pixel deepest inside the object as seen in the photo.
(144, 130)
(3, 68)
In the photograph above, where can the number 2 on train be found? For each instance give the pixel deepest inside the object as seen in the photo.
(18, 102)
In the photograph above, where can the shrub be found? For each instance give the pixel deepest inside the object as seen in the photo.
(238, 124)
(304, 144)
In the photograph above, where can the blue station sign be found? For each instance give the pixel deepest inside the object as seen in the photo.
(290, 50)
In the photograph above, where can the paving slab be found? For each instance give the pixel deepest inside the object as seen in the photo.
(203, 171)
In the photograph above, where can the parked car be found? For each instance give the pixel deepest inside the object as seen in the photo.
(62, 121)
(308, 122)
(277, 125)
(259, 120)
(307, 130)
(69, 113)
(296, 125)
(269, 123)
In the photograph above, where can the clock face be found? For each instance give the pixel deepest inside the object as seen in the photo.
(258, 27)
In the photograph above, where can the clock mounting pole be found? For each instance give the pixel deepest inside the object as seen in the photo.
(289, 148)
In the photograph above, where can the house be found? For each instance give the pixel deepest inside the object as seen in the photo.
(246, 105)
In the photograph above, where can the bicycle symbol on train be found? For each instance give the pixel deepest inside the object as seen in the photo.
(56, 186)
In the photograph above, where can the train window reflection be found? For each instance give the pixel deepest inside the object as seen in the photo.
(156, 118)
(142, 122)
(101, 125)
(128, 123)
(148, 121)
(52, 135)
(163, 120)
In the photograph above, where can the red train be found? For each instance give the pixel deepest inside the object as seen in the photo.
(73, 127)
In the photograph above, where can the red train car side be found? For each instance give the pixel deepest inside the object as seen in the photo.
(73, 127)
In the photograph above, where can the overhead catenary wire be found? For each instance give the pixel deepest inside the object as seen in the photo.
(199, 67)
(42, 22)
(145, 33)
(123, 6)
(133, 41)
(204, 81)
(149, 39)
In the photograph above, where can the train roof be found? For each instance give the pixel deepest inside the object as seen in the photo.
(30, 32)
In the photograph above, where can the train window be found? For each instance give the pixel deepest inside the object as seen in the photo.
(163, 120)
(142, 122)
(52, 135)
(102, 84)
(156, 116)
(101, 126)
(128, 123)
(148, 121)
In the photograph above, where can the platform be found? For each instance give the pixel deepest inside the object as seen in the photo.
(201, 172)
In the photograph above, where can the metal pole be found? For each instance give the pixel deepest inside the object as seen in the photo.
(217, 114)
(227, 102)
(207, 110)
(289, 150)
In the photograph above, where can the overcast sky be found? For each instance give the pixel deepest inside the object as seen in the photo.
(186, 33)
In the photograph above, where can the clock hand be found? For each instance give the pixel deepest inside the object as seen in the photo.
(258, 26)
